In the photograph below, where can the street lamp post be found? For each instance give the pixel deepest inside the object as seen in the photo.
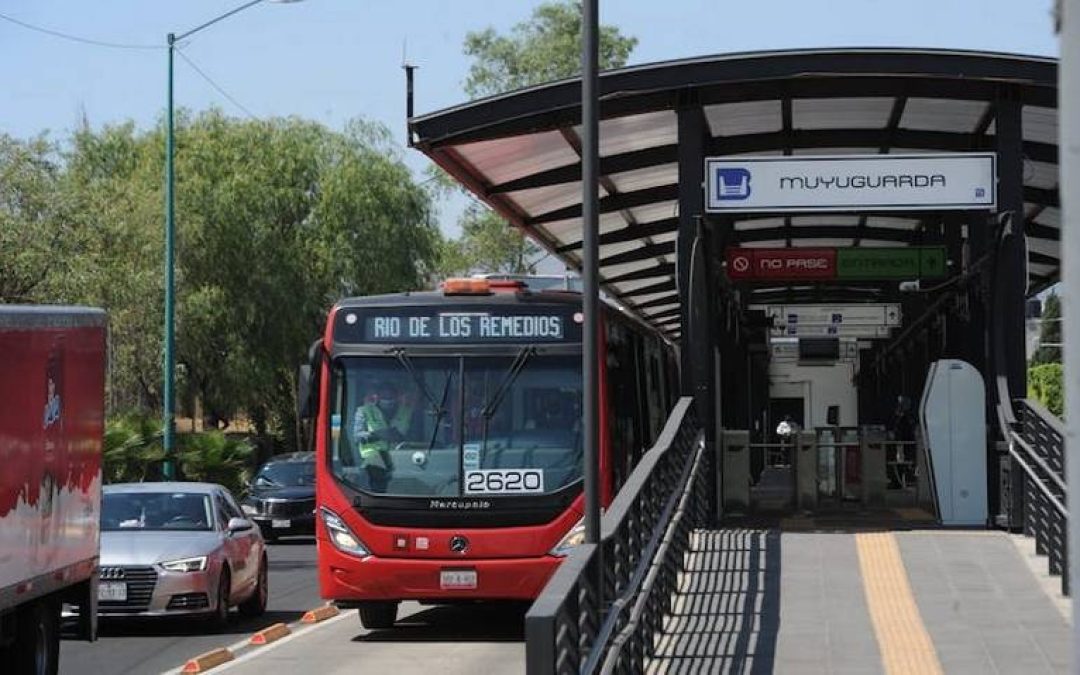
(169, 394)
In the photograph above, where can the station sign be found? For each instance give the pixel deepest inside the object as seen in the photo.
(854, 314)
(839, 183)
(831, 330)
(796, 264)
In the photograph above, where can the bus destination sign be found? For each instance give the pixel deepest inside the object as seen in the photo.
(441, 325)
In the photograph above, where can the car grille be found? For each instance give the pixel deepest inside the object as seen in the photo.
(140, 587)
(189, 601)
(289, 508)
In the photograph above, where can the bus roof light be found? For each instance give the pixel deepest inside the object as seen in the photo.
(466, 287)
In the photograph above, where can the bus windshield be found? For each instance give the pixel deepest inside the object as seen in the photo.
(438, 426)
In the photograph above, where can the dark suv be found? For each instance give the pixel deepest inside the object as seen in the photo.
(281, 499)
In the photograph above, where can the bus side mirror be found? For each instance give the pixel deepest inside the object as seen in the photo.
(307, 401)
(305, 409)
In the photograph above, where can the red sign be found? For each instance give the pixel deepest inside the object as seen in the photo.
(781, 263)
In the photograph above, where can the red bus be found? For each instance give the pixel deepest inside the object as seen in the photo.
(448, 438)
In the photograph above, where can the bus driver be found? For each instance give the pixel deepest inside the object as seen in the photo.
(378, 425)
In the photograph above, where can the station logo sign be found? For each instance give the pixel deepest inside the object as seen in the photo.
(841, 183)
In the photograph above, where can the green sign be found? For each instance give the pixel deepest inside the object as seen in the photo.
(890, 263)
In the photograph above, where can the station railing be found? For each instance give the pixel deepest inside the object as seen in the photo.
(1036, 495)
(603, 609)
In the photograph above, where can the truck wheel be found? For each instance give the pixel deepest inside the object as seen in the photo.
(37, 647)
(377, 615)
(256, 604)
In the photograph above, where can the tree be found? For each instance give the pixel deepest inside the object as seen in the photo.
(546, 47)
(1049, 332)
(276, 219)
(35, 230)
(1046, 385)
(490, 245)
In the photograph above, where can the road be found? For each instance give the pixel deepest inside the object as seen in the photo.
(465, 639)
(131, 647)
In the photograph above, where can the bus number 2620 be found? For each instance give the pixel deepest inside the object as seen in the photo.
(503, 481)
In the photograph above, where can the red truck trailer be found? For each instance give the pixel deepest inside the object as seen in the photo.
(52, 392)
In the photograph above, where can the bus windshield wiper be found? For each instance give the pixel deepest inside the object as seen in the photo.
(488, 411)
(439, 407)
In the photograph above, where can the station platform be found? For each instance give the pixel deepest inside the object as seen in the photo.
(833, 597)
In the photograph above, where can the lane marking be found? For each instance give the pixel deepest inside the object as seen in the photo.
(902, 637)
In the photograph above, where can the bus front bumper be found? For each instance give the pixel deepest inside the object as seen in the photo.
(346, 579)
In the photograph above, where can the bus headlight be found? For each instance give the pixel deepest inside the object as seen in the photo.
(341, 536)
(575, 537)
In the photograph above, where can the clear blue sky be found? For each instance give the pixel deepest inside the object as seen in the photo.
(331, 60)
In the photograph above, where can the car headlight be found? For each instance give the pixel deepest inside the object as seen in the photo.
(340, 534)
(249, 509)
(197, 564)
(575, 537)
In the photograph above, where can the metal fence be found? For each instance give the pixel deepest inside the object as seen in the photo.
(603, 608)
(1036, 498)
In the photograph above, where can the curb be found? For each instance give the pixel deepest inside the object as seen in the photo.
(204, 662)
(270, 634)
(320, 614)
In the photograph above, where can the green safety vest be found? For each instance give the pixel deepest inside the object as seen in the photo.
(370, 451)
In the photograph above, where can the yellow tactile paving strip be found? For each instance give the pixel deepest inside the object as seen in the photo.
(901, 635)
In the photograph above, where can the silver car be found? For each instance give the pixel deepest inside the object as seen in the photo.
(178, 549)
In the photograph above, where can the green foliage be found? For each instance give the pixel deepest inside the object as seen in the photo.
(132, 449)
(490, 244)
(35, 228)
(213, 457)
(1049, 332)
(546, 47)
(276, 219)
(1046, 385)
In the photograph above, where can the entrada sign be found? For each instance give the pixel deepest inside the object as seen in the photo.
(936, 182)
(777, 264)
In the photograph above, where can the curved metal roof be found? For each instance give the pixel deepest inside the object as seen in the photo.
(520, 152)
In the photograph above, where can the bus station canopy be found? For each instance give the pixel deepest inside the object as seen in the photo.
(520, 152)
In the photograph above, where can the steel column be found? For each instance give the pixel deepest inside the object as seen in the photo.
(589, 263)
(1012, 263)
(1069, 144)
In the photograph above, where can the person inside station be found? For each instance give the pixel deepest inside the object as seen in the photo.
(900, 455)
(379, 424)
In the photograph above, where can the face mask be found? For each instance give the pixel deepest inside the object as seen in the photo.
(387, 405)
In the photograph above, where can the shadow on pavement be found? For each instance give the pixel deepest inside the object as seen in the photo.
(457, 623)
(292, 541)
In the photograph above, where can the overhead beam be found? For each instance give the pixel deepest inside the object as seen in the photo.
(629, 233)
(618, 202)
(661, 287)
(661, 270)
(640, 253)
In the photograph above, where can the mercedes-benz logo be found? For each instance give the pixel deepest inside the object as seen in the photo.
(459, 544)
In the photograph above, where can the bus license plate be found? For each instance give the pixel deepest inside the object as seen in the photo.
(112, 591)
(457, 579)
(280, 524)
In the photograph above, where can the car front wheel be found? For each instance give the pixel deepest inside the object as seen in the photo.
(256, 604)
(220, 617)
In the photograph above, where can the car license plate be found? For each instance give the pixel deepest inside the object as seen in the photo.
(456, 579)
(112, 591)
(280, 524)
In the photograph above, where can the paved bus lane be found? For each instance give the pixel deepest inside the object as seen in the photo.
(134, 647)
(486, 639)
